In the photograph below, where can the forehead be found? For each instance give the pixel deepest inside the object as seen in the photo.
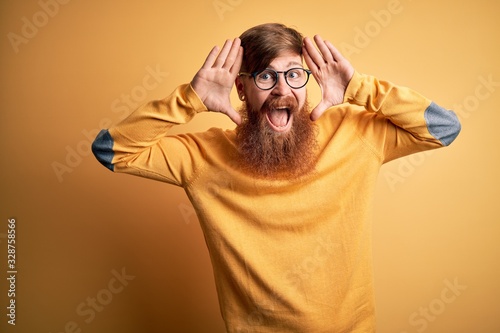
(285, 61)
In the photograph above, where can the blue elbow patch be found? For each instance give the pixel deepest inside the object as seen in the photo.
(442, 124)
(103, 149)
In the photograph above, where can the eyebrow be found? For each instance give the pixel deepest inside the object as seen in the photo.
(289, 64)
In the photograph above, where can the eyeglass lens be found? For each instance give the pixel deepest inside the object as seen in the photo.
(295, 77)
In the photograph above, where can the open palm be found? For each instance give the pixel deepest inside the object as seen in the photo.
(330, 69)
(214, 81)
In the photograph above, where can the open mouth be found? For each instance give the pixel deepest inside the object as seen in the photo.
(280, 119)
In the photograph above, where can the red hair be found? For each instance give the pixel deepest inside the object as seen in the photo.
(263, 43)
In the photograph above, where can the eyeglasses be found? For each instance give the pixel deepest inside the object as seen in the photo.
(296, 78)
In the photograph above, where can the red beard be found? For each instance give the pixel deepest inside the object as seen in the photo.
(267, 153)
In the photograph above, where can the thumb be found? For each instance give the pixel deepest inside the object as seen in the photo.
(318, 111)
(234, 116)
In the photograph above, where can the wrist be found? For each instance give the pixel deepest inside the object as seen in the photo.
(194, 98)
(353, 88)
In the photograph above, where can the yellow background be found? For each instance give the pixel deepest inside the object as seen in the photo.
(436, 218)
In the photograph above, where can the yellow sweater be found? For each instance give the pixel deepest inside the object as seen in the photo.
(294, 255)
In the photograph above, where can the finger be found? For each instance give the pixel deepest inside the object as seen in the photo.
(310, 63)
(337, 56)
(313, 53)
(234, 116)
(325, 51)
(221, 58)
(317, 112)
(232, 54)
(209, 61)
(235, 69)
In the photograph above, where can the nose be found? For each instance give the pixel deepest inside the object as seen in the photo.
(281, 88)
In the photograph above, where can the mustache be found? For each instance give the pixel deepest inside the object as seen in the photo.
(273, 102)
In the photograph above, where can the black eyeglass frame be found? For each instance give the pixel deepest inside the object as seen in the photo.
(254, 75)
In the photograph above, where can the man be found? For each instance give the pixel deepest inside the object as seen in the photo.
(284, 199)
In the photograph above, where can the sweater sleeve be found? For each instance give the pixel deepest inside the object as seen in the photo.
(139, 144)
(402, 121)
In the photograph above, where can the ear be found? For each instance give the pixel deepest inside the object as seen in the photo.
(240, 87)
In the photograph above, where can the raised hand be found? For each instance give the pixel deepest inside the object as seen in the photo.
(330, 69)
(214, 81)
